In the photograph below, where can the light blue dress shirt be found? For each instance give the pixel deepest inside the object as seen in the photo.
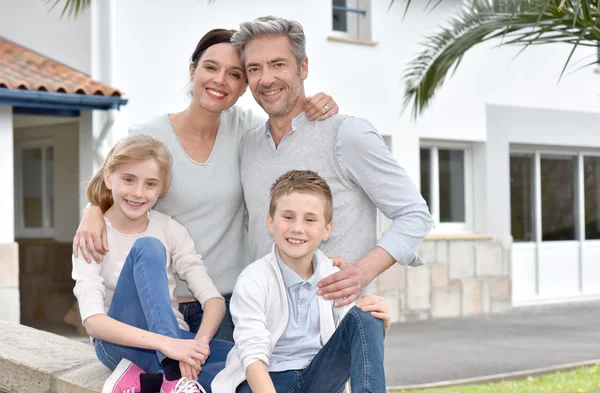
(301, 340)
(367, 161)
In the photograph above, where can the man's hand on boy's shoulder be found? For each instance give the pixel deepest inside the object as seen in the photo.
(344, 285)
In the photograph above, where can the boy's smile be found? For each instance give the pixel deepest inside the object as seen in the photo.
(298, 227)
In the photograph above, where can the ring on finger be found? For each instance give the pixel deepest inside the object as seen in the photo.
(326, 109)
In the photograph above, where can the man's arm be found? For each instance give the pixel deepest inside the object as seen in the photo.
(367, 162)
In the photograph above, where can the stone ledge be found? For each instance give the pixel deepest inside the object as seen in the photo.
(33, 361)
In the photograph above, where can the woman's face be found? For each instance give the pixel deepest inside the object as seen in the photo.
(218, 80)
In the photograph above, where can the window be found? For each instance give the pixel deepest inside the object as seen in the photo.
(34, 189)
(446, 185)
(591, 176)
(559, 209)
(351, 18)
(566, 187)
(522, 197)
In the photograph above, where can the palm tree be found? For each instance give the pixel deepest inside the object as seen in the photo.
(71, 8)
(510, 22)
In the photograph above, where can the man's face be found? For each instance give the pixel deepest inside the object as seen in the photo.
(273, 74)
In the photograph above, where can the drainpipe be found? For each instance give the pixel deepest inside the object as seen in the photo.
(103, 25)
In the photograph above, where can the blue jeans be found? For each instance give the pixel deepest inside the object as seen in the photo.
(141, 299)
(355, 351)
(193, 313)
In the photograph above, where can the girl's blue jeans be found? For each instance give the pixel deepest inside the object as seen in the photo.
(142, 299)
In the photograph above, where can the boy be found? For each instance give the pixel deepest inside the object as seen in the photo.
(288, 338)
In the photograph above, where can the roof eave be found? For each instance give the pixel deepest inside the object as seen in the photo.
(50, 100)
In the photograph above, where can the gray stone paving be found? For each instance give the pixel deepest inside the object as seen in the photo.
(523, 339)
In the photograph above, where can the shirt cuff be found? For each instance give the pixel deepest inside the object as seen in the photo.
(394, 245)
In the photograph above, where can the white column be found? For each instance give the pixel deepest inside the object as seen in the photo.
(86, 156)
(9, 250)
(7, 182)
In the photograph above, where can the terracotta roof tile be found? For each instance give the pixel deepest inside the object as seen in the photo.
(21, 68)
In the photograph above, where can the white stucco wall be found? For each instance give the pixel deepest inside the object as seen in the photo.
(154, 43)
(7, 226)
(28, 23)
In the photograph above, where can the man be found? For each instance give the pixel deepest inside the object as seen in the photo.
(347, 151)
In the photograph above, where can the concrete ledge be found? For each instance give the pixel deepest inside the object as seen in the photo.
(33, 361)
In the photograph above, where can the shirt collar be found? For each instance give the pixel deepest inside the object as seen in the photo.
(291, 278)
(298, 120)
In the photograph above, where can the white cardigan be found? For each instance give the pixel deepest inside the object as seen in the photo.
(260, 313)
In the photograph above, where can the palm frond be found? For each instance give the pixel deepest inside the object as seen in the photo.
(511, 22)
(71, 8)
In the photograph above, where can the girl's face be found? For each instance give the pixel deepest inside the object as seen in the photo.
(135, 187)
(218, 80)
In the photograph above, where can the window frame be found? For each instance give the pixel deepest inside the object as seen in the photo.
(575, 152)
(354, 22)
(450, 227)
(45, 231)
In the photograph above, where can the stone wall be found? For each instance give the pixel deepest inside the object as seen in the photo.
(9, 282)
(461, 277)
(46, 284)
(33, 361)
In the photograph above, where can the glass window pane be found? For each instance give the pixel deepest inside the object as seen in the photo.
(50, 186)
(591, 176)
(558, 198)
(31, 163)
(452, 185)
(340, 22)
(522, 197)
(426, 176)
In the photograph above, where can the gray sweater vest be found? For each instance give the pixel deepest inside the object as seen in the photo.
(311, 146)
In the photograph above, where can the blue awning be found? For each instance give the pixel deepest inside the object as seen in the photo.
(26, 100)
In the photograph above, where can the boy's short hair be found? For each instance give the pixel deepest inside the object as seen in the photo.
(301, 180)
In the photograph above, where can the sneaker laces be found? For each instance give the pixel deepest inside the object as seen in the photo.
(132, 390)
(188, 386)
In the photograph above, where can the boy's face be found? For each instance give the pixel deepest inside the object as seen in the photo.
(298, 225)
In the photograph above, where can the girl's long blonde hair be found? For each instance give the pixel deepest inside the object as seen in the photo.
(133, 148)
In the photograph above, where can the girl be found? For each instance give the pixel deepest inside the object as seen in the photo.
(206, 193)
(127, 303)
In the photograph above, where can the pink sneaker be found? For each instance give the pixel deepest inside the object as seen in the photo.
(182, 385)
(125, 379)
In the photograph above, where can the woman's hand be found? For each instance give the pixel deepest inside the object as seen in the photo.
(378, 308)
(320, 107)
(91, 235)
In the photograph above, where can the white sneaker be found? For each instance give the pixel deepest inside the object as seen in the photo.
(183, 385)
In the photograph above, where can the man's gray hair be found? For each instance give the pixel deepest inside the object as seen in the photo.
(269, 26)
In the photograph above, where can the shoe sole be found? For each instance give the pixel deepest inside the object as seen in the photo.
(111, 381)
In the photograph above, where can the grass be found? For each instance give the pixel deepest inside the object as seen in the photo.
(580, 380)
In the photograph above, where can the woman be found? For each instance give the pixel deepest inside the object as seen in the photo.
(205, 195)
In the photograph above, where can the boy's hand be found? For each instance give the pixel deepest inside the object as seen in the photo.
(378, 308)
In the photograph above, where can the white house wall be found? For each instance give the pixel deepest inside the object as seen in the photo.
(28, 23)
